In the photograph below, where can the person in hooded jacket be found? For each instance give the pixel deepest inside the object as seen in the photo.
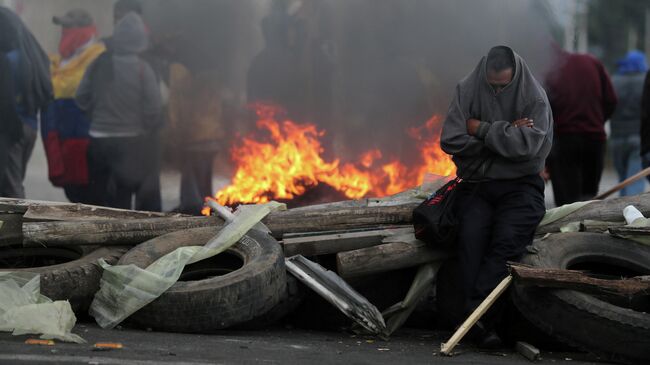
(26, 89)
(583, 99)
(625, 141)
(120, 93)
(498, 130)
(64, 127)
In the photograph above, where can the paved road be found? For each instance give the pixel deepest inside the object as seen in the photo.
(273, 346)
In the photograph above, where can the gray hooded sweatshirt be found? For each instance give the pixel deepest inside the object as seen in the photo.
(512, 152)
(119, 89)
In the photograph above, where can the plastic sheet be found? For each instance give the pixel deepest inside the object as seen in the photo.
(558, 213)
(124, 289)
(23, 310)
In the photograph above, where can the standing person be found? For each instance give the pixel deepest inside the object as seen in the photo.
(499, 130)
(120, 93)
(64, 127)
(148, 197)
(582, 98)
(195, 122)
(625, 140)
(29, 92)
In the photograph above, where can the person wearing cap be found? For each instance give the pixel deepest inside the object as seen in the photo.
(24, 91)
(65, 127)
(120, 93)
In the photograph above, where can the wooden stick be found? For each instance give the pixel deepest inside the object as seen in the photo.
(630, 180)
(577, 280)
(447, 347)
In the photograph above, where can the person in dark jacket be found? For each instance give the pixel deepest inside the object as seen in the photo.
(120, 92)
(582, 98)
(31, 91)
(625, 141)
(499, 130)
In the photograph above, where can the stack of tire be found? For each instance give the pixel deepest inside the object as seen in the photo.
(65, 273)
(617, 329)
(244, 286)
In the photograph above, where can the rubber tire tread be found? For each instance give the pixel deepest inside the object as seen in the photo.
(208, 305)
(76, 281)
(584, 321)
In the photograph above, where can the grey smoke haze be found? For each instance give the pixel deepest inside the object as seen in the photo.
(366, 69)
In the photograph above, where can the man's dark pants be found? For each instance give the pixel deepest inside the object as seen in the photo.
(121, 168)
(497, 220)
(576, 165)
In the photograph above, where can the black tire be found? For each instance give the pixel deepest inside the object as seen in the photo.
(76, 278)
(213, 303)
(615, 331)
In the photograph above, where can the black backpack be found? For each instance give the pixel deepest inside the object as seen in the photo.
(435, 220)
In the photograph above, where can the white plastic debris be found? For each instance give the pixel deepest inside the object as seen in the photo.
(632, 214)
(124, 289)
(23, 310)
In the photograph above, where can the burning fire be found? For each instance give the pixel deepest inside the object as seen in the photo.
(290, 162)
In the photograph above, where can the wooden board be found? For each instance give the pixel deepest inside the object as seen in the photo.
(386, 257)
(337, 242)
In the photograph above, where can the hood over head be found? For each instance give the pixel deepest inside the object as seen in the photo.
(633, 62)
(521, 91)
(130, 35)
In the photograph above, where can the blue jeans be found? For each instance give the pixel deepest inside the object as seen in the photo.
(626, 155)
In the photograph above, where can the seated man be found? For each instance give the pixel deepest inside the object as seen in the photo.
(499, 131)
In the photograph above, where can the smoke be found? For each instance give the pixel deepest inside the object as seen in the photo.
(364, 71)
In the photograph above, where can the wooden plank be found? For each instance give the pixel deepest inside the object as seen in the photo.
(132, 231)
(46, 210)
(577, 280)
(387, 257)
(597, 226)
(637, 231)
(446, 348)
(337, 242)
(108, 232)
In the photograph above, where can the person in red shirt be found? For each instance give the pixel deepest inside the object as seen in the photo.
(582, 98)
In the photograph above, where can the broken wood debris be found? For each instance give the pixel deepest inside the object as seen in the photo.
(578, 280)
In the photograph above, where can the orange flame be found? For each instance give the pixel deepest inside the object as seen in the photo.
(290, 162)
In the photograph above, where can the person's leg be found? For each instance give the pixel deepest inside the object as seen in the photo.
(196, 180)
(519, 207)
(148, 196)
(98, 172)
(18, 158)
(564, 168)
(593, 161)
(126, 172)
(634, 165)
(475, 219)
(619, 156)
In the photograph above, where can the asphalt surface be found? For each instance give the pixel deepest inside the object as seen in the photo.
(271, 346)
